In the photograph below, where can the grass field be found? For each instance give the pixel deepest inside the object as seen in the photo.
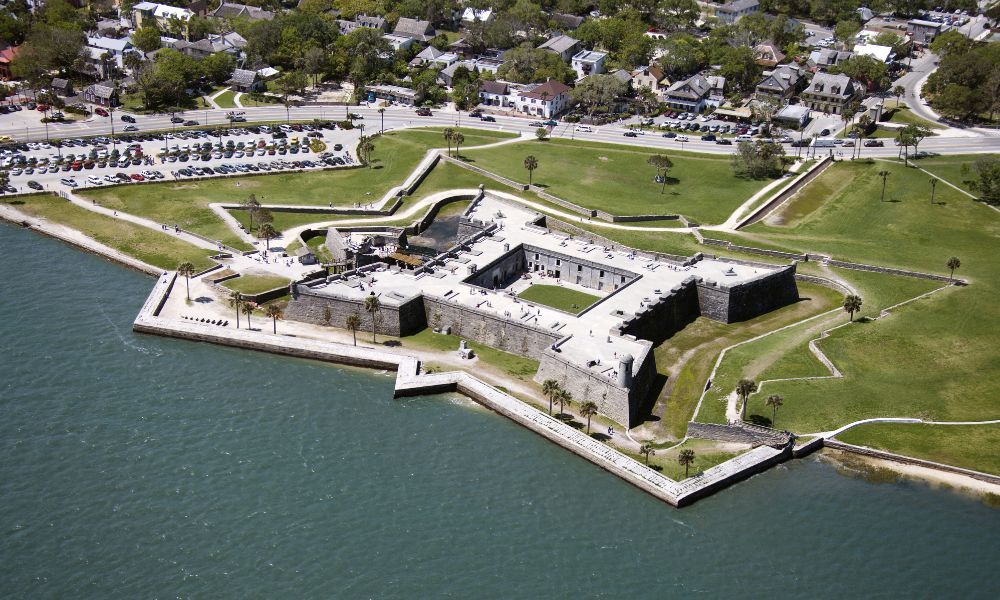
(935, 358)
(255, 284)
(186, 202)
(151, 246)
(949, 168)
(558, 297)
(968, 446)
(618, 180)
(226, 99)
(707, 454)
(904, 116)
(516, 366)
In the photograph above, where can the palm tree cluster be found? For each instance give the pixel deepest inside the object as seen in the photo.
(256, 211)
(237, 302)
(453, 136)
(556, 393)
(745, 387)
(365, 149)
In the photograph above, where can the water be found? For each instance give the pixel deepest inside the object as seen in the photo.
(140, 467)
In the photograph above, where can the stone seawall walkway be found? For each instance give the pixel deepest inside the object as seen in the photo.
(410, 382)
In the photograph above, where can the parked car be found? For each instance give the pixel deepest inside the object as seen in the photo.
(874, 143)
(101, 111)
(176, 119)
(34, 185)
(128, 118)
(131, 128)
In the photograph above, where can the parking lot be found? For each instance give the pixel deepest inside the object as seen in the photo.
(689, 127)
(138, 157)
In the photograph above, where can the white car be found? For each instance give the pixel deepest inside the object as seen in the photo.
(110, 179)
(585, 128)
(682, 138)
(94, 180)
(69, 181)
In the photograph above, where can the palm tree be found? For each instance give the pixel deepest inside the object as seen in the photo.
(933, 188)
(365, 149)
(236, 301)
(852, 304)
(274, 312)
(353, 322)
(267, 232)
(549, 388)
(564, 397)
(647, 451)
(186, 270)
(381, 114)
(686, 458)
(449, 135)
(530, 163)
(251, 205)
(248, 310)
(861, 128)
(373, 306)
(661, 163)
(745, 387)
(897, 92)
(953, 263)
(774, 401)
(588, 409)
(459, 138)
(884, 175)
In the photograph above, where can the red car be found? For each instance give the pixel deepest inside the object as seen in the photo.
(101, 111)
(137, 177)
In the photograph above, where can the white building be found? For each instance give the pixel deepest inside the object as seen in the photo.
(544, 100)
(588, 62)
(161, 16)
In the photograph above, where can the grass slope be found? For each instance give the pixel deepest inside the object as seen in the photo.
(255, 284)
(969, 446)
(558, 297)
(618, 180)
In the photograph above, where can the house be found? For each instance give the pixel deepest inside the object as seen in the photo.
(716, 90)
(431, 55)
(243, 80)
(793, 115)
(105, 54)
(922, 31)
(588, 62)
(227, 10)
(204, 48)
(768, 54)
(781, 84)
(734, 11)
(690, 94)
(563, 45)
(376, 22)
(415, 29)
(61, 87)
(394, 94)
(821, 60)
(830, 93)
(7, 56)
(161, 16)
(103, 94)
(447, 75)
(652, 77)
(398, 42)
(883, 54)
(567, 21)
(472, 15)
(543, 100)
(623, 76)
(494, 93)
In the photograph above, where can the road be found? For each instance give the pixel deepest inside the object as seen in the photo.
(400, 117)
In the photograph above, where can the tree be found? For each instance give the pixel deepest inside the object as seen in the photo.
(449, 136)
(647, 451)
(381, 116)
(914, 135)
(686, 459)
(218, 66)
(314, 62)
(884, 175)
(267, 233)
(186, 270)
(677, 14)
(248, 310)
(898, 91)
(588, 409)
(550, 387)
(372, 306)
(541, 133)
(274, 312)
(250, 204)
(953, 263)
(774, 401)
(525, 64)
(852, 304)
(870, 71)
(933, 188)
(845, 31)
(660, 162)
(236, 301)
(146, 38)
(563, 397)
(353, 323)
(987, 181)
(861, 129)
(758, 160)
(597, 92)
(365, 149)
(745, 387)
(530, 163)
(459, 138)
(290, 84)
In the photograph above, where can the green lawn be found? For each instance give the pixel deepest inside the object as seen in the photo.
(517, 366)
(226, 99)
(186, 202)
(949, 168)
(255, 284)
(904, 116)
(618, 180)
(558, 297)
(707, 454)
(154, 247)
(968, 446)
(936, 358)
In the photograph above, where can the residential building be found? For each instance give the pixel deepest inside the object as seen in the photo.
(365, 21)
(652, 77)
(562, 45)
(416, 29)
(106, 54)
(447, 75)
(732, 12)
(588, 62)
(716, 90)
(781, 84)
(244, 80)
(623, 76)
(494, 93)
(162, 16)
(821, 60)
(394, 94)
(768, 54)
(398, 42)
(569, 22)
(7, 56)
(206, 47)
(103, 94)
(690, 94)
(228, 10)
(924, 32)
(793, 115)
(830, 93)
(431, 55)
(61, 87)
(883, 54)
(472, 15)
(543, 100)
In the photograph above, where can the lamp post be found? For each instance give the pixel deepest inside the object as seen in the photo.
(111, 115)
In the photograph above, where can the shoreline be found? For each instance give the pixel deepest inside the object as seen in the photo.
(926, 473)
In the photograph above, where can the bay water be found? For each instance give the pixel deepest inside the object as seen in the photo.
(138, 467)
